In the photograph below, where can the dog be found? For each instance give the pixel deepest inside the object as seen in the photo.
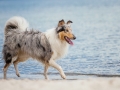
(22, 43)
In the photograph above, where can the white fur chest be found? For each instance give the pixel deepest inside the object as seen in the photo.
(59, 47)
(59, 50)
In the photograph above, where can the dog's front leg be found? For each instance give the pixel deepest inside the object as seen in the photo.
(58, 67)
(45, 71)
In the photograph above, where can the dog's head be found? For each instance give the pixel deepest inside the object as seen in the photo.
(65, 32)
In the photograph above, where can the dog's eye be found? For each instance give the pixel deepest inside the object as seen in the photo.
(66, 30)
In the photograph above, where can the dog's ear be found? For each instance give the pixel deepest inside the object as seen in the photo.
(61, 22)
(69, 22)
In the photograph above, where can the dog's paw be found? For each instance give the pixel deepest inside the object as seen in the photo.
(63, 76)
(47, 79)
(18, 75)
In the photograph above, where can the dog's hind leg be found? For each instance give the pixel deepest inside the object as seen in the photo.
(16, 68)
(45, 71)
(5, 69)
(58, 67)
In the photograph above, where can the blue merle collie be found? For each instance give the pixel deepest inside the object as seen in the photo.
(22, 43)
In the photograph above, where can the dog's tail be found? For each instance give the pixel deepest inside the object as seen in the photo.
(17, 23)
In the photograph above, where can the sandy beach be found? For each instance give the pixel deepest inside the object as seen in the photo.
(88, 84)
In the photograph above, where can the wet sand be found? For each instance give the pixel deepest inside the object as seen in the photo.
(85, 84)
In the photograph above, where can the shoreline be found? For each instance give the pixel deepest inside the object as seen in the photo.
(56, 76)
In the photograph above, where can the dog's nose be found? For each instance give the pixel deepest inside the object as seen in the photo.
(74, 37)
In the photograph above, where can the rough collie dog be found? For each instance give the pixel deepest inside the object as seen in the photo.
(22, 43)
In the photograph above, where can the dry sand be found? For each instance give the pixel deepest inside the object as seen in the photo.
(89, 84)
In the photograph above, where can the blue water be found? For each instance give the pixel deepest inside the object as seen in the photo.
(96, 25)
